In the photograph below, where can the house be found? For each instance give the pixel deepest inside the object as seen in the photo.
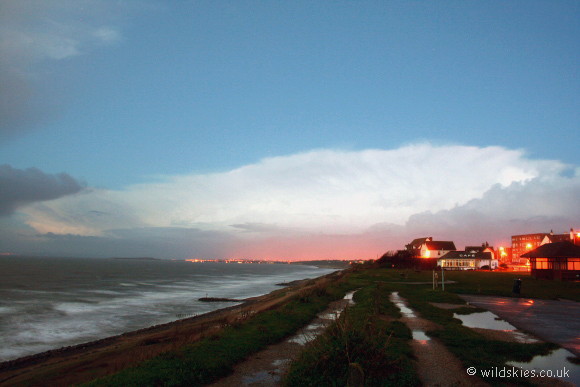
(415, 245)
(558, 260)
(484, 248)
(522, 244)
(468, 260)
(428, 248)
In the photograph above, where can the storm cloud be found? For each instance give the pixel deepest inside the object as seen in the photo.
(33, 32)
(319, 204)
(20, 187)
(329, 190)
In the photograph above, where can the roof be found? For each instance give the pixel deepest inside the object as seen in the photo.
(475, 248)
(419, 241)
(440, 245)
(416, 243)
(467, 255)
(564, 249)
(541, 234)
(558, 237)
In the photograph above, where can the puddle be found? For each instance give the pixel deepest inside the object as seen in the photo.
(397, 300)
(524, 338)
(280, 362)
(420, 335)
(312, 330)
(488, 320)
(313, 326)
(262, 376)
(348, 297)
(557, 362)
(329, 316)
(485, 320)
(301, 339)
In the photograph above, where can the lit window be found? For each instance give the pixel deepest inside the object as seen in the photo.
(541, 263)
(573, 263)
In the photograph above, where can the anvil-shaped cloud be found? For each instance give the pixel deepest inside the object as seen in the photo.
(328, 202)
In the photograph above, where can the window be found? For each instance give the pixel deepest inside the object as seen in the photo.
(573, 263)
(541, 263)
(560, 265)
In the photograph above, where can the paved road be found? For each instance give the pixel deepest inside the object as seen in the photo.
(554, 321)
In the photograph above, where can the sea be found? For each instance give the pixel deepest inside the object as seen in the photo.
(48, 303)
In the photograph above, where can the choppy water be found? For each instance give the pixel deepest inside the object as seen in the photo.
(47, 303)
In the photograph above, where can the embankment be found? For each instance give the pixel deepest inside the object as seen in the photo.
(84, 362)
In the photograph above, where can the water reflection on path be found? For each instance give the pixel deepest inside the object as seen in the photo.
(418, 334)
(323, 320)
(556, 364)
(489, 320)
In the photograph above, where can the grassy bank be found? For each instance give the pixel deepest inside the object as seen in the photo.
(366, 345)
(369, 344)
(213, 357)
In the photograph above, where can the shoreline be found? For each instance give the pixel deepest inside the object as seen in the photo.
(83, 362)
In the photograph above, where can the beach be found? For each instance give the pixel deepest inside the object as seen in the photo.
(48, 303)
(84, 362)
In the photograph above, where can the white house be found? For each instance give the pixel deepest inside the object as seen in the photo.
(428, 248)
(466, 260)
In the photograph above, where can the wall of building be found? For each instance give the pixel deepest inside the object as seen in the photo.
(522, 244)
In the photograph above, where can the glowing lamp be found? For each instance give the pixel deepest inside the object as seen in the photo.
(427, 254)
(529, 245)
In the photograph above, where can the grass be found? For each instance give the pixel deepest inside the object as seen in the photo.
(480, 283)
(213, 357)
(501, 283)
(472, 348)
(364, 346)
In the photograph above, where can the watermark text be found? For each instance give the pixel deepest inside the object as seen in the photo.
(513, 372)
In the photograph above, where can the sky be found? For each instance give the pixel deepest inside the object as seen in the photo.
(285, 130)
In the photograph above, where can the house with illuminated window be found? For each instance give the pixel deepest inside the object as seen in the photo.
(428, 248)
(558, 260)
(522, 244)
(468, 260)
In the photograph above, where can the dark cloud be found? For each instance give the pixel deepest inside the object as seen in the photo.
(159, 242)
(536, 205)
(19, 187)
(540, 205)
(16, 105)
(33, 32)
(261, 228)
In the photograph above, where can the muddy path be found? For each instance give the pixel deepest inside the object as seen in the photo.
(267, 367)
